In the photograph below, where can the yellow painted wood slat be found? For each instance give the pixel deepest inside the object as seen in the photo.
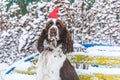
(98, 60)
(83, 76)
(99, 77)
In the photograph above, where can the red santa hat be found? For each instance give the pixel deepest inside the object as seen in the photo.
(54, 13)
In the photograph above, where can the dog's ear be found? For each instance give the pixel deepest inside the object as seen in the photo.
(67, 42)
(40, 45)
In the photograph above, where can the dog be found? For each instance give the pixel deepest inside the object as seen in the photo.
(54, 43)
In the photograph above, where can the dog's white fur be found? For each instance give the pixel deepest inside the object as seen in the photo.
(57, 31)
(50, 63)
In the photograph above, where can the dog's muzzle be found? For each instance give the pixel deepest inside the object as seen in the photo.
(53, 32)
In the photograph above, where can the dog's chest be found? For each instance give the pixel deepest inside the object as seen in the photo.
(50, 64)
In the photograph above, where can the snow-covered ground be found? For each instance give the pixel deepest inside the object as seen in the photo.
(25, 64)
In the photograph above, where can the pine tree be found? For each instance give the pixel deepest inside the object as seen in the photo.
(3, 16)
(101, 20)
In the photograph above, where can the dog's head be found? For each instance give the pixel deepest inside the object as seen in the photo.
(55, 33)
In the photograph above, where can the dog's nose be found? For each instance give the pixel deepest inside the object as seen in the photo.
(53, 30)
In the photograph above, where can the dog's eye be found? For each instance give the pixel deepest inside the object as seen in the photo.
(50, 24)
(58, 25)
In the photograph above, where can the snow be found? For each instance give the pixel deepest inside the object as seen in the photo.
(18, 34)
(102, 54)
(103, 51)
(5, 34)
(24, 66)
(93, 70)
(99, 51)
(17, 76)
(3, 67)
(22, 40)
